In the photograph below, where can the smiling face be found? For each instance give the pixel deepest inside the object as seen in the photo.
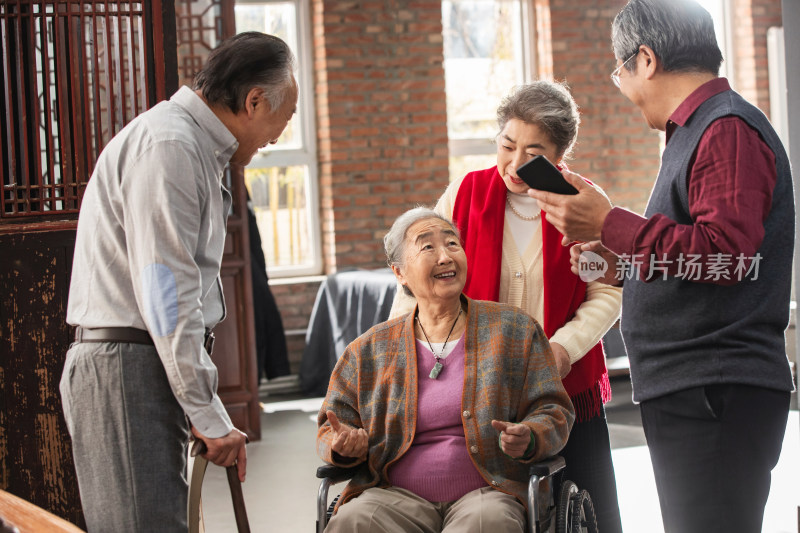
(518, 143)
(263, 125)
(434, 263)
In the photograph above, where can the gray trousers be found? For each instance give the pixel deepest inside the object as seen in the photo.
(129, 438)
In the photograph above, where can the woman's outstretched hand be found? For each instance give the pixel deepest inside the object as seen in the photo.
(347, 441)
(514, 438)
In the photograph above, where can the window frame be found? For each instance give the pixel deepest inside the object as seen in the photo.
(306, 154)
(526, 63)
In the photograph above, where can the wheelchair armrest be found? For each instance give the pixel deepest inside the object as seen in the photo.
(336, 474)
(548, 467)
(541, 504)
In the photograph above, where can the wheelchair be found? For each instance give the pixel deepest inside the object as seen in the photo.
(555, 504)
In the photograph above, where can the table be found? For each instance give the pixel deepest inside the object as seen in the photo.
(348, 304)
(21, 516)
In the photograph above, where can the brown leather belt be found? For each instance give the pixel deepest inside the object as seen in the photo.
(132, 335)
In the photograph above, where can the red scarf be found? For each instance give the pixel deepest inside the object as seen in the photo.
(480, 206)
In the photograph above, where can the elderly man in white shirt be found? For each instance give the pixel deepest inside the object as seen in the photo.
(145, 288)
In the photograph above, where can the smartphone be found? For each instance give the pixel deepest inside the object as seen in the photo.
(541, 174)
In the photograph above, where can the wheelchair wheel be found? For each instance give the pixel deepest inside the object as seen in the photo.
(575, 512)
(583, 518)
(563, 507)
(331, 507)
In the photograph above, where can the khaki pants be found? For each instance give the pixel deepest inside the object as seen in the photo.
(394, 510)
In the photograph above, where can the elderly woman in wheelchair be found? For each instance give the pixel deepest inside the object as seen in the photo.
(441, 410)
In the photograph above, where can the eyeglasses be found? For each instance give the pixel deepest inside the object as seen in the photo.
(615, 74)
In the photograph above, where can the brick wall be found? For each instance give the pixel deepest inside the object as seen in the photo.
(381, 113)
(753, 19)
(295, 301)
(615, 147)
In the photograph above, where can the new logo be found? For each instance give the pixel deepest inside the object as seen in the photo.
(591, 266)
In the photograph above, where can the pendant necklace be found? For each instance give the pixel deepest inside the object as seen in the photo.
(437, 368)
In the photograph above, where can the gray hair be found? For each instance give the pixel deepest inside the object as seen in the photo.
(394, 242)
(243, 62)
(680, 33)
(547, 105)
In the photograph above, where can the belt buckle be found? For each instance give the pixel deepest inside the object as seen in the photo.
(208, 342)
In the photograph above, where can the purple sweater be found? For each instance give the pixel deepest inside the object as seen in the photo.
(437, 466)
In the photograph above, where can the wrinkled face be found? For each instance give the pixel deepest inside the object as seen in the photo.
(517, 144)
(435, 265)
(265, 125)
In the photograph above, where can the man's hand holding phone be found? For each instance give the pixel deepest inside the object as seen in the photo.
(578, 216)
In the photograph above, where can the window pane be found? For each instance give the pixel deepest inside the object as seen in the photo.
(279, 202)
(274, 18)
(482, 62)
(461, 165)
(282, 178)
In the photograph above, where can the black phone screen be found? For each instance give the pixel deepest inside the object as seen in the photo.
(541, 174)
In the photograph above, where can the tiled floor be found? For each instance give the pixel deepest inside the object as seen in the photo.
(281, 489)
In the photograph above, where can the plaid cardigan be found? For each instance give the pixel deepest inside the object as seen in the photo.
(509, 375)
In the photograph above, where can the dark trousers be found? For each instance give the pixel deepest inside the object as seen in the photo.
(713, 449)
(589, 466)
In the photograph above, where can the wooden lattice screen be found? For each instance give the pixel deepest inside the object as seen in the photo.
(200, 25)
(72, 74)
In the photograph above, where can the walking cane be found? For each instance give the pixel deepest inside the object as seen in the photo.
(195, 489)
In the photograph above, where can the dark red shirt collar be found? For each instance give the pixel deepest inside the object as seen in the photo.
(693, 101)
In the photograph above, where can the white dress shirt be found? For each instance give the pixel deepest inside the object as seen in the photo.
(150, 240)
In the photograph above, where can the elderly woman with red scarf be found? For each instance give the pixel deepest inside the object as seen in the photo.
(515, 256)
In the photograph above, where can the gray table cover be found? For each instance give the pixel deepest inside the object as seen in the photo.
(347, 305)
